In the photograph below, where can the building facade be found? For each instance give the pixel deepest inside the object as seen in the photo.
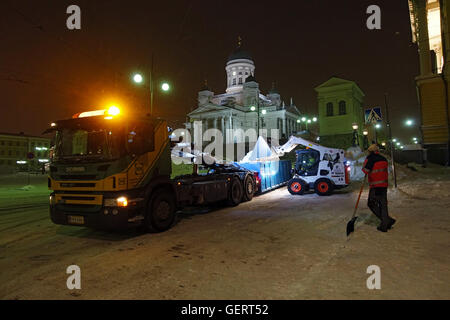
(243, 105)
(430, 30)
(14, 149)
(340, 104)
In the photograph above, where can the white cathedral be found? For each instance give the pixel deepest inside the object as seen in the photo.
(239, 107)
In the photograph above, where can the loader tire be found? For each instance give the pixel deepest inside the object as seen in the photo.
(235, 192)
(296, 186)
(249, 188)
(323, 187)
(161, 212)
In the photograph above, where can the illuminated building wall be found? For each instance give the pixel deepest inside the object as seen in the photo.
(14, 149)
(430, 30)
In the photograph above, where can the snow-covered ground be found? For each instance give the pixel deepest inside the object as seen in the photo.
(277, 246)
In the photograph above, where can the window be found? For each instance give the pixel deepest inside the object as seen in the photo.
(240, 80)
(329, 109)
(342, 108)
(246, 73)
(234, 81)
(240, 73)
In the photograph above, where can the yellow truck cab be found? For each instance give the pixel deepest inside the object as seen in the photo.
(105, 167)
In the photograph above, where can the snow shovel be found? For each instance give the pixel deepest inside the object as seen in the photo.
(351, 223)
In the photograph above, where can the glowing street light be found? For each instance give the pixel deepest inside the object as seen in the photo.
(252, 108)
(138, 78)
(165, 86)
(409, 122)
(377, 126)
(298, 120)
(263, 112)
(314, 119)
(303, 119)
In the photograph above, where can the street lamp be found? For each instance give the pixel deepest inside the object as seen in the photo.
(252, 108)
(366, 140)
(377, 126)
(355, 135)
(165, 87)
(138, 78)
(409, 122)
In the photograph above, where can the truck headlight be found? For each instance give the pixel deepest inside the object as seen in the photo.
(118, 202)
(122, 202)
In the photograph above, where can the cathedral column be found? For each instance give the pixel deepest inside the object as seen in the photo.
(222, 125)
(284, 129)
(423, 41)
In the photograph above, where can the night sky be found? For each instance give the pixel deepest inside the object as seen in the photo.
(48, 72)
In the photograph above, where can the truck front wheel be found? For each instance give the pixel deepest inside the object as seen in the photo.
(161, 211)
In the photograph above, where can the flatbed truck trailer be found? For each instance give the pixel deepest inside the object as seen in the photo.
(111, 170)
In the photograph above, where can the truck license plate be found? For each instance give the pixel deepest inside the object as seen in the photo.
(75, 219)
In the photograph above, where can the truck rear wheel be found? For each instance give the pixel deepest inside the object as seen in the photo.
(161, 211)
(296, 186)
(323, 187)
(235, 192)
(249, 187)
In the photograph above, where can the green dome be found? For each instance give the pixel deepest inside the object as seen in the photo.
(239, 53)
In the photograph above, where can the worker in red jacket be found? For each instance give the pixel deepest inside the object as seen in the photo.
(376, 168)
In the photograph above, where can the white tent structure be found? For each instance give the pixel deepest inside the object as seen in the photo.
(261, 152)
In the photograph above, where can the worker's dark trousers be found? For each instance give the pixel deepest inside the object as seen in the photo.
(378, 204)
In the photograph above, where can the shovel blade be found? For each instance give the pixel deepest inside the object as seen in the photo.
(351, 226)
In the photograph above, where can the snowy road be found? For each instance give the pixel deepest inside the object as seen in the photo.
(275, 247)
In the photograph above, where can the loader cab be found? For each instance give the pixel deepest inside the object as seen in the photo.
(307, 163)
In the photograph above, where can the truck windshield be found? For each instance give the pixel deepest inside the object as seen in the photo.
(95, 144)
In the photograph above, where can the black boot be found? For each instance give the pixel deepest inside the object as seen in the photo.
(390, 224)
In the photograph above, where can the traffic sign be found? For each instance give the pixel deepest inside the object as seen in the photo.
(373, 115)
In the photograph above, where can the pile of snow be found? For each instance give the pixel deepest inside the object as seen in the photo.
(356, 157)
(261, 152)
(27, 188)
